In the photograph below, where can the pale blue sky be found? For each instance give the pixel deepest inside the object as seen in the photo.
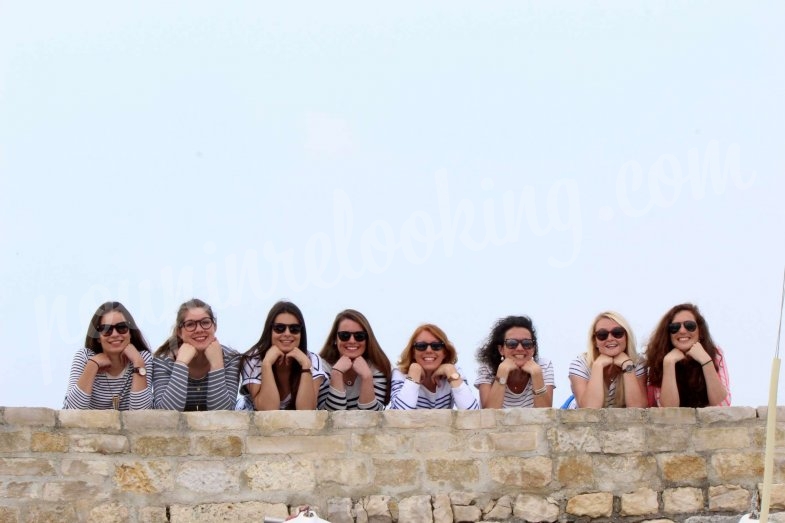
(448, 163)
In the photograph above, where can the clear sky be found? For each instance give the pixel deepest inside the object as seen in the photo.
(446, 162)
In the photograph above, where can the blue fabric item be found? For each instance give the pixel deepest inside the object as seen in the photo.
(566, 404)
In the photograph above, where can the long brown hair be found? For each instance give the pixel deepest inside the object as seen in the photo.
(92, 340)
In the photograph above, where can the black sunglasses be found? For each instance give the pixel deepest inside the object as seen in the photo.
(358, 336)
(294, 328)
(690, 325)
(616, 332)
(422, 346)
(106, 330)
(190, 325)
(512, 343)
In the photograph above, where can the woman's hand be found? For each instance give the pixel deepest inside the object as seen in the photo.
(531, 367)
(299, 356)
(415, 372)
(362, 369)
(674, 356)
(343, 364)
(215, 355)
(444, 371)
(103, 361)
(698, 353)
(186, 353)
(620, 359)
(133, 355)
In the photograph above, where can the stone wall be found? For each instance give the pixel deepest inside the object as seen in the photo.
(419, 466)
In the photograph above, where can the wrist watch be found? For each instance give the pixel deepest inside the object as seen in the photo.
(454, 376)
(502, 381)
(629, 368)
(141, 371)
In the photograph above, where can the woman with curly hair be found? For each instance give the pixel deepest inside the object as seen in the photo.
(686, 368)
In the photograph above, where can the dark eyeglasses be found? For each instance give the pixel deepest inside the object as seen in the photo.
(358, 336)
(512, 343)
(616, 332)
(190, 325)
(422, 346)
(294, 328)
(690, 325)
(106, 330)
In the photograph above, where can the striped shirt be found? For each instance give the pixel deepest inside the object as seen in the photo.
(251, 373)
(526, 398)
(580, 369)
(175, 390)
(349, 399)
(106, 388)
(407, 395)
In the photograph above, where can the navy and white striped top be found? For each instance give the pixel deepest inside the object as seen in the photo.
(252, 373)
(407, 395)
(105, 387)
(349, 399)
(526, 397)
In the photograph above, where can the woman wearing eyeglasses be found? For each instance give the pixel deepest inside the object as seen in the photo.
(358, 370)
(686, 368)
(426, 377)
(609, 373)
(111, 371)
(279, 372)
(511, 372)
(192, 371)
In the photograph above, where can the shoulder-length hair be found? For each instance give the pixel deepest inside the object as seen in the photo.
(373, 351)
(689, 375)
(173, 342)
(592, 352)
(489, 354)
(92, 339)
(407, 355)
(265, 341)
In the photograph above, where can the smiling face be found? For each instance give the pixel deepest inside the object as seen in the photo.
(115, 342)
(519, 354)
(350, 348)
(428, 359)
(286, 341)
(200, 337)
(611, 346)
(684, 339)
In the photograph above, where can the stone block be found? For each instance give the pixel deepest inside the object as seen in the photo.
(625, 441)
(442, 508)
(11, 515)
(527, 417)
(339, 510)
(438, 441)
(373, 443)
(86, 467)
(152, 515)
(683, 469)
(461, 473)
(208, 477)
(522, 441)
(140, 421)
(715, 438)
(682, 500)
(217, 445)
(291, 421)
(378, 509)
(108, 420)
(462, 498)
(475, 419)
(351, 472)
(49, 442)
(622, 473)
(143, 477)
(672, 416)
(500, 510)
(418, 419)
(575, 471)
(235, 512)
(73, 491)
(668, 438)
(360, 515)
(287, 475)
(639, 503)
(20, 490)
(30, 416)
(321, 445)
(574, 438)
(535, 508)
(18, 441)
(777, 500)
(355, 419)
(163, 445)
(710, 415)
(464, 514)
(396, 473)
(628, 417)
(729, 498)
(26, 467)
(99, 443)
(415, 508)
(530, 473)
(595, 505)
(217, 420)
(579, 416)
(48, 513)
(109, 513)
(729, 467)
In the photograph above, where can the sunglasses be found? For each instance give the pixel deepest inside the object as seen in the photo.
(422, 346)
(190, 325)
(616, 332)
(106, 330)
(675, 327)
(358, 336)
(294, 328)
(512, 343)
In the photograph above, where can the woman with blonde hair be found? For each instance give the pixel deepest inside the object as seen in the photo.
(609, 373)
(426, 377)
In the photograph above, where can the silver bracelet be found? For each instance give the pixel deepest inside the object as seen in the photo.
(540, 392)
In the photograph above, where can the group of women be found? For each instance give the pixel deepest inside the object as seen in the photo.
(191, 370)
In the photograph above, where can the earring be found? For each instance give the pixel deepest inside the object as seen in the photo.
(502, 358)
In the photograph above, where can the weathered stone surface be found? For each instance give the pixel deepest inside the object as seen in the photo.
(595, 505)
(668, 439)
(462, 498)
(639, 503)
(415, 508)
(627, 472)
(360, 515)
(418, 418)
(378, 510)
(683, 469)
(99, 443)
(322, 445)
(523, 472)
(109, 513)
(30, 416)
(108, 420)
(170, 445)
(457, 472)
(396, 472)
(372, 442)
(737, 466)
(513, 442)
(526, 418)
(672, 416)
(144, 420)
(682, 500)
(26, 467)
(442, 509)
(575, 438)
(448, 442)
(14, 441)
(151, 514)
(11, 515)
(729, 498)
(292, 421)
(626, 417)
(710, 415)
(48, 442)
(86, 467)
(581, 416)
(355, 419)
(625, 441)
(466, 514)
(575, 471)
(223, 445)
(536, 508)
(213, 477)
(475, 419)
(777, 499)
(339, 510)
(143, 477)
(289, 475)
(20, 490)
(501, 510)
(217, 420)
(715, 438)
(240, 512)
(48, 513)
(345, 472)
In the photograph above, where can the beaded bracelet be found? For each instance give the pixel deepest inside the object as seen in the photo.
(704, 364)
(540, 392)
